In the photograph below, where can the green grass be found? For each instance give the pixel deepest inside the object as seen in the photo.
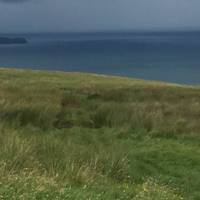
(83, 136)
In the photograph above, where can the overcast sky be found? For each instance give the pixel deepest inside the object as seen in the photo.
(98, 15)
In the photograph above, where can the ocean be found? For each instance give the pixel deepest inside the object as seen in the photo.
(164, 56)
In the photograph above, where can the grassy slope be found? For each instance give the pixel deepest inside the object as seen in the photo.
(80, 136)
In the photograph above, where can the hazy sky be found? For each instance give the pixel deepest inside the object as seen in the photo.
(86, 15)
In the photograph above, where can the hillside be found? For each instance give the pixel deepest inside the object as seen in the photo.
(84, 136)
(5, 40)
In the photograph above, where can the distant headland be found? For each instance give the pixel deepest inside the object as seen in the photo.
(6, 40)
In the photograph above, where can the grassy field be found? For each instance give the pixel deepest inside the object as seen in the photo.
(89, 137)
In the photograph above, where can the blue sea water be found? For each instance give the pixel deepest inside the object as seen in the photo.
(166, 56)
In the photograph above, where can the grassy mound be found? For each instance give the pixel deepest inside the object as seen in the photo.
(80, 136)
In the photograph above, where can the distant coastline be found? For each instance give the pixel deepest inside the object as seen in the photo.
(6, 40)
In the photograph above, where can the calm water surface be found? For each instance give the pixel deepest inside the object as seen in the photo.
(172, 57)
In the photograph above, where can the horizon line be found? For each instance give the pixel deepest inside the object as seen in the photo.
(104, 31)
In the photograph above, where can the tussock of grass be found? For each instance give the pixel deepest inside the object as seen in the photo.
(80, 136)
(151, 189)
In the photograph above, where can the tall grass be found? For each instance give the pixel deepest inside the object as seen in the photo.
(75, 136)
